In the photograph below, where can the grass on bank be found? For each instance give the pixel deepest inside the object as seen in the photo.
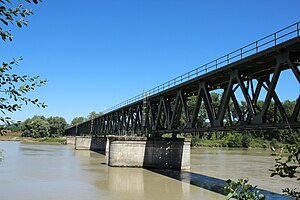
(236, 141)
(18, 137)
(232, 140)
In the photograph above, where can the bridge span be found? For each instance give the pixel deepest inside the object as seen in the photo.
(250, 73)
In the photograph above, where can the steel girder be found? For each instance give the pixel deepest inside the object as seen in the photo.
(189, 107)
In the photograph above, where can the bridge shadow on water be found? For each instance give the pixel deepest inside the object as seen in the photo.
(209, 183)
(99, 152)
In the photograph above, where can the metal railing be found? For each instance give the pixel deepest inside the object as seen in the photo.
(271, 40)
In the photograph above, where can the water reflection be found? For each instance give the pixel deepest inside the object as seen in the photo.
(126, 180)
(137, 183)
(1, 155)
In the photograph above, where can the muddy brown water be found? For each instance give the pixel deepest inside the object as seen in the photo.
(34, 172)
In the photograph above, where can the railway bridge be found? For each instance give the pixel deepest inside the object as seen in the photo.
(246, 82)
(247, 73)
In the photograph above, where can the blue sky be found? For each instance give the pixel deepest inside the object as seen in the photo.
(97, 53)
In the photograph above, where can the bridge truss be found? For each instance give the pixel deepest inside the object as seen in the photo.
(246, 86)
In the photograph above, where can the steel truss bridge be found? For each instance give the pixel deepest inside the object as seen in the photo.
(176, 106)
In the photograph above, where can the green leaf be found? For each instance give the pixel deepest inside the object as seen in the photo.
(4, 22)
(19, 24)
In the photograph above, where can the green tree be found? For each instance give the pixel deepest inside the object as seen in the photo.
(14, 127)
(40, 128)
(36, 127)
(57, 126)
(14, 87)
(93, 115)
(78, 120)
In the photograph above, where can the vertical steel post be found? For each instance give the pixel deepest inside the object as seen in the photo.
(228, 58)
(256, 46)
(241, 53)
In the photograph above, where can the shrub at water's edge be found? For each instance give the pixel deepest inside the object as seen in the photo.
(257, 139)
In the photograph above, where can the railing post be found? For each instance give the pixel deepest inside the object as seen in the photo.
(256, 46)
(206, 68)
(217, 64)
(197, 72)
(228, 58)
(275, 38)
(241, 53)
(298, 31)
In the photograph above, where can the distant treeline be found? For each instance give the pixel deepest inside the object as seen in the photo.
(41, 126)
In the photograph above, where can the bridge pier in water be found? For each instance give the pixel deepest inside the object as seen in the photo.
(71, 140)
(145, 152)
(90, 143)
(126, 151)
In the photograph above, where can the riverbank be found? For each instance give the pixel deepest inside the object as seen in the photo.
(231, 142)
(33, 140)
(238, 140)
(196, 142)
(253, 143)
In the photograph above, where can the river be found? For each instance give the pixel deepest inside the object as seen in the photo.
(35, 172)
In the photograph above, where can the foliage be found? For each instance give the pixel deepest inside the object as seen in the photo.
(257, 138)
(258, 143)
(36, 127)
(57, 126)
(14, 87)
(93, 115)
(78, 120)
(39, 126)
(274, 143)
(51, 140)
(10, 15)
(207, 142)
(289, 168)
(16, 127)
(230, 139)
(242, 190)
(236, 140)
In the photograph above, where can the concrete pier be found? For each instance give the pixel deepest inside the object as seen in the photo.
(124, 151)
(90, 143)
(149, 153)
(71, 140)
